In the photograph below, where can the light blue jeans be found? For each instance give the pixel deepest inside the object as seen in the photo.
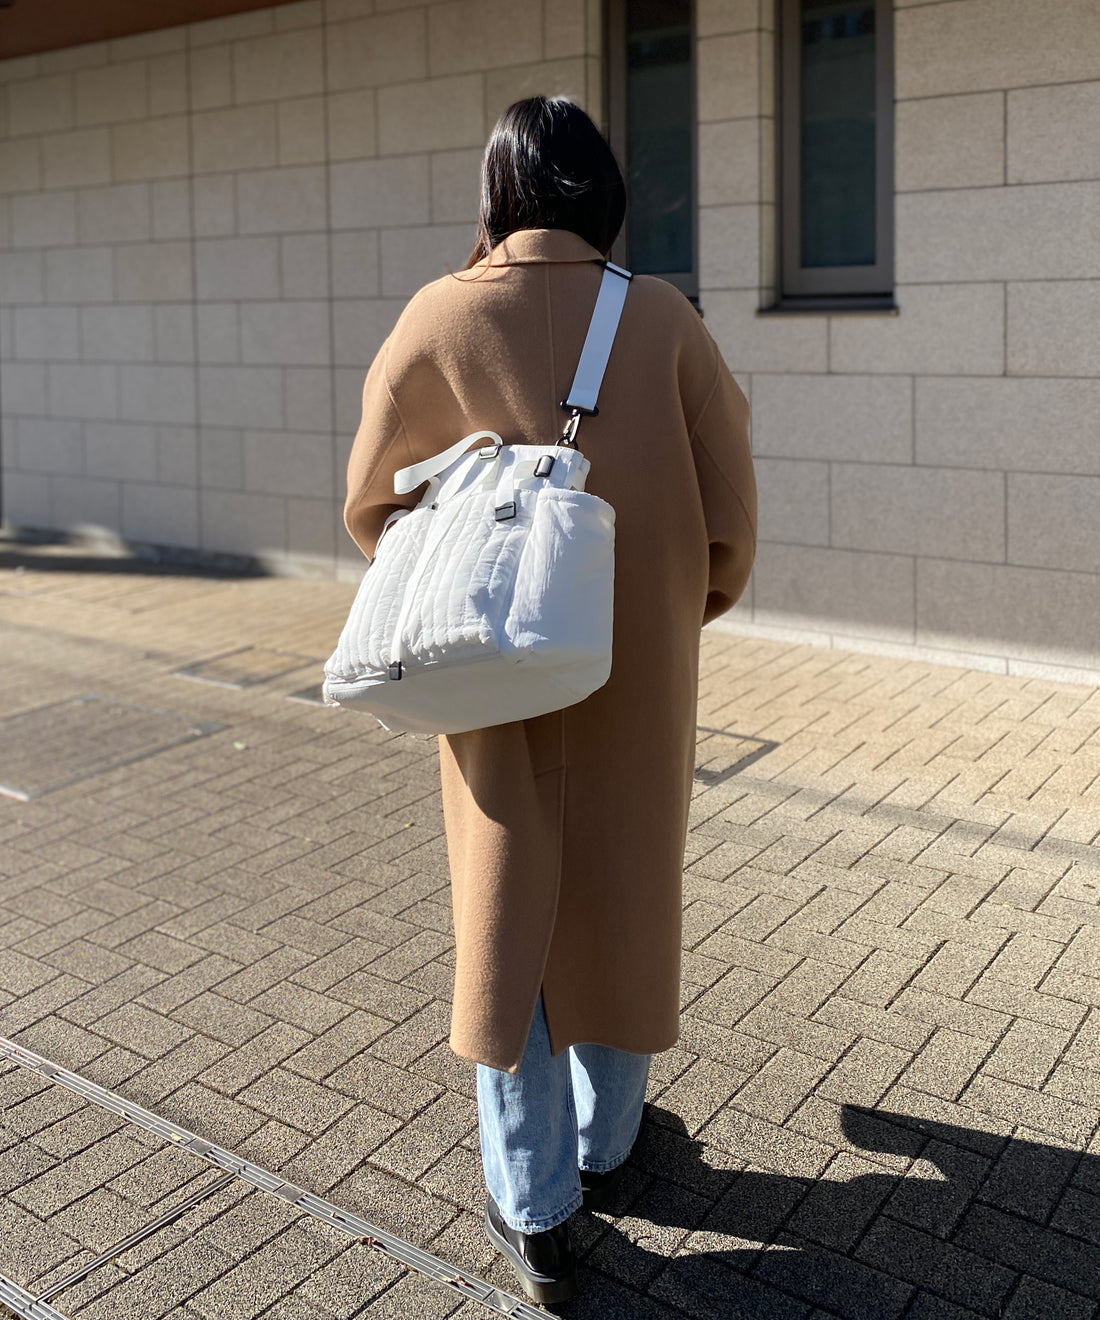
(557, 1115)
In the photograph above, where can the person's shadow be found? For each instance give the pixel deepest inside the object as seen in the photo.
(934, 1222)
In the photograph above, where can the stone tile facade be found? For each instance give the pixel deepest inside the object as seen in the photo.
(207, 231)
(928, 479)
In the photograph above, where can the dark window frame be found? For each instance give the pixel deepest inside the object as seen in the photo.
(615, 116)
(851, 287)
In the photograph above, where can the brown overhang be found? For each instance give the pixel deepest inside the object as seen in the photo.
(28, 26)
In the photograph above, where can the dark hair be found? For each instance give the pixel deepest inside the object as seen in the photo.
(547, 166)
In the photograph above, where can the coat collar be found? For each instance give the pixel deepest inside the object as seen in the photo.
(532, 245)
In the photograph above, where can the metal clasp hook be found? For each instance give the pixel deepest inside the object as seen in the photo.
(569, 435)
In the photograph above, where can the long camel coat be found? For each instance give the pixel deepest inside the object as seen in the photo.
(565, 833)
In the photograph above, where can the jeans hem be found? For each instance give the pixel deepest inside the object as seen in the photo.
(544, 1222)
(605, 1166)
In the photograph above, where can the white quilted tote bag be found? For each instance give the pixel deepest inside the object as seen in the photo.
(491, 600)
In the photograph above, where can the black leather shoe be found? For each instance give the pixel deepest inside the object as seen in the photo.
(544, 1261)
(599, 1188)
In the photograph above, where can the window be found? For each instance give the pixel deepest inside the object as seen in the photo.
(836, 135)
(651, 118)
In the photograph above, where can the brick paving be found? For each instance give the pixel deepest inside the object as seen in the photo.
(884, 1103)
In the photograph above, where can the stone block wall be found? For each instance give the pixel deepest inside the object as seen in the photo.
(207, 231)
(929, 481)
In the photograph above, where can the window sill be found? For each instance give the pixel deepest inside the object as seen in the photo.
(881, 305)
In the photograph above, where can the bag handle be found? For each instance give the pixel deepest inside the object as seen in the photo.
(407, 479)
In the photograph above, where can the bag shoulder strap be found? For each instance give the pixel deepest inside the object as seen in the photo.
(597, 343)
(581, 399)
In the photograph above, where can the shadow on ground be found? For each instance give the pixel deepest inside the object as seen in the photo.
(982, 1225)
(61, 556)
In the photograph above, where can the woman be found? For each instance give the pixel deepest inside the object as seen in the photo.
(566, 833)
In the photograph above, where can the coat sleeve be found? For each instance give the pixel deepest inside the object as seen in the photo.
(380, 449)
(727, 487)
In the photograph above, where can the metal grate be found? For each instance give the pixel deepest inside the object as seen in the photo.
(50, 747)
(24, 1304)
(719, 754)
(244, 668)
(469, 1286)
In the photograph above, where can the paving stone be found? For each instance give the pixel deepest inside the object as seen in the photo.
(1081, 1085)
(20, 1163)
(257, 977)
(650, 1234)
(1029, 1177)
(344, 1284)
(225, 1020)
(181, 987)
(76, 1132)
(845, 1286)
(424, 1030)
(733, 1048)
(202, 1111)
(778, 1089)
(1050, 1256)
(846, 1015)
(1036, 1300)
(842, 1203)
(41, 1109)
(1027, 1053)
(180, 1066)
(66, 1182)
(128, 1023)
(925, 1306)
(295, 1100)
(891, 958)
(964, 1277)
(263, 1277)
(303, 1008)
(809, 1036)
(946, 1064)
(384, 998)
(1039, 1110)
(880, 978)
(235, 1070)
(663, 1149)
(955, 1123)
(701, 1090)
(1078, 1214)
(709, 1289)
(756, 1141)
(163, 1284)
(273, 1146)
(425, 1139)
(392, 1204)
(865, 1073)
(351, 956)
(1037, 1005)
(938, 1188)
(380, 1083)
(943, 1011)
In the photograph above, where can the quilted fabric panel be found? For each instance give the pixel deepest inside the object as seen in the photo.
(442, 590)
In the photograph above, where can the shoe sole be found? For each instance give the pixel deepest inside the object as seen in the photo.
(539, 1287)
